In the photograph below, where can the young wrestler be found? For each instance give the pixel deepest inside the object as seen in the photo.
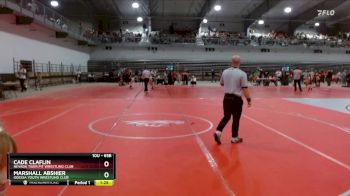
(308, 83)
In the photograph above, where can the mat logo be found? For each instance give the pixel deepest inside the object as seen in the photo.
(154, 123)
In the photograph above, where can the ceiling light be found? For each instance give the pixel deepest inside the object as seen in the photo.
(205, 20)
(217, 8)
(261, 22)
(317, 24)
(135, 5)
(139, 19)
(287, 10)
(54, 3)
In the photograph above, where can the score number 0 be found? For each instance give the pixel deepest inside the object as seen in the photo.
(106, 164)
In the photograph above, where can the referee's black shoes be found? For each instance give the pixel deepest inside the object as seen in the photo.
(236, 140)
(217, 137)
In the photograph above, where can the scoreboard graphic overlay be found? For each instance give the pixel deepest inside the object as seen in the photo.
(73, 169)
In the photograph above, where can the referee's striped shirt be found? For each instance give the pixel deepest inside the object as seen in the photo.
(233, 80)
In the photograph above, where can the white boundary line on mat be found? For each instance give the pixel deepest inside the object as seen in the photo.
(347, 193)
(45, 121)
(339, 163)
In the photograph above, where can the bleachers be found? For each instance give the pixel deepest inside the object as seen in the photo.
(48, 17)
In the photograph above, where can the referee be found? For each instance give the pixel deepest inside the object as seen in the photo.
(235, 82)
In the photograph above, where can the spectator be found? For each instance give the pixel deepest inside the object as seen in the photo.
(132, 82)
(297, 73)
(343, 78)
(153, 78)
(178, 78)
(173, 76)
(308, 82)
(273, 79)
(146, 75)
(171, 29)
(329, 77)
(22, 76)
(185, 77)
(278, 74)
(38, 80)
(170, 78)
(317, 80)
(338, 77)
(77, 76)
(193, 80)
(80, 28)
(348, 79)
(91, 77)
(213, 75)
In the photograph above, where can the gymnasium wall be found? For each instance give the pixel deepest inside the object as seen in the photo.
(28, 42)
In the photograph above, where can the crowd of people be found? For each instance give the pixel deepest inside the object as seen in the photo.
(112, 37)
(90, 33)
(276, 38)
(224, 38)
(283, 76)
(212, 37)
(342, 40)
(166, 38)
(126, 76)
(260, 77)
(309, 78)
(307, 40)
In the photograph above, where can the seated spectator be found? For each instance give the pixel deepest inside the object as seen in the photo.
(193, 80)
(91, 77)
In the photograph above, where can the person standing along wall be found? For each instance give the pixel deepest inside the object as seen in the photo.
(185, 75)
(193, 80)
(38, 79)
(297, 73)
(146, 75)
(213, 75)
(22, 76)
(329, 77)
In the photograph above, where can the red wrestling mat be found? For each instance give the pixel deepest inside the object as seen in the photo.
(164, 144)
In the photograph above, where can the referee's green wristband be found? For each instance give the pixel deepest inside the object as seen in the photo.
(249, 99)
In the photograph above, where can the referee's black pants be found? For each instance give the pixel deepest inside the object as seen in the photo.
(295, 85)
(146, 80)
(232, 106)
